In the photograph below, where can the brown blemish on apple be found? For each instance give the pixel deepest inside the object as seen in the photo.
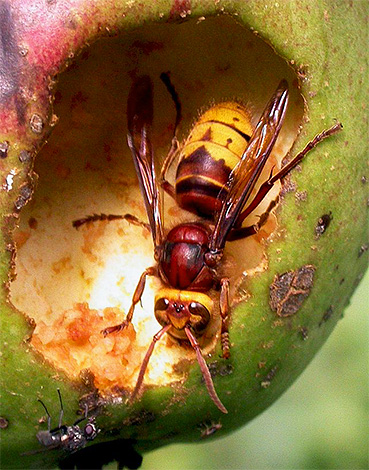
(36, 123)
(290, 289)
(32, 223)
(322, 224)
(179, 11)
(301, 196)
(327, 315)
(4, 147)
(25, 194)
(304, 332)
(24, 156)
(220, 368)
(4, 423)
(208, 428)
(269, 377)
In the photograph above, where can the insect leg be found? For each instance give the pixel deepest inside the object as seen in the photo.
(167, 187)
(244, 232)
(165, 78)
(108, 217)
(145, 362)
(224, 310)
(267, 185)
(48, 415)
(135, 299)
(61, 409)
(205, 371)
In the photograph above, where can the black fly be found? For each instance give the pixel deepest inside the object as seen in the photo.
(68, 438)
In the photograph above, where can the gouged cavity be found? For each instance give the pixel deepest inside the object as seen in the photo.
(74, 283)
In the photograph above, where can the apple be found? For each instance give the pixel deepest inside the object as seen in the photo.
(66, 71)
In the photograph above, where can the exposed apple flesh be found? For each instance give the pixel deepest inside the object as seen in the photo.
(83, 281)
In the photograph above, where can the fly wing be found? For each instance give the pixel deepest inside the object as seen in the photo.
(139, 120)
(243, 178)
(50, 440)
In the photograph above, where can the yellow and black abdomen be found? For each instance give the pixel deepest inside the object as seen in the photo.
(213, 148)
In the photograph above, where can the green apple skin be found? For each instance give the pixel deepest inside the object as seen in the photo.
(325, 45)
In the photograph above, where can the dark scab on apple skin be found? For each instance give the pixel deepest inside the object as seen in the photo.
(304, 333)
(36, 123)
(323, 224)
(290, 289)
(209, 428)
(301, 196)
(179, 11)
(25, 195)
(220, 368)
(265, 383)
(4, 148)
(24, 156)
(327, 315)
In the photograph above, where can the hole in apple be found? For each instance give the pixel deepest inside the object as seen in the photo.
(73, 283)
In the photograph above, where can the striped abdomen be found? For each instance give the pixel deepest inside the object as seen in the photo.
(213, 148)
